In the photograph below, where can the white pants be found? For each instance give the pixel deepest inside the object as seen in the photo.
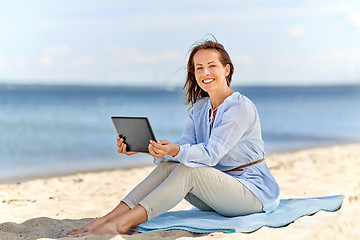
(204, 187)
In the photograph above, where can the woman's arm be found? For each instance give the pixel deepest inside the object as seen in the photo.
(188, 137)
(236, 122)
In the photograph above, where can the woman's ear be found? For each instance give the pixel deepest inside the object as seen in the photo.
(227, 70)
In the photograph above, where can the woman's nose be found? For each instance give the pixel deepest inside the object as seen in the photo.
(206, 72)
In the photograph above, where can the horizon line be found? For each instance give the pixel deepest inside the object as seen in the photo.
(177, 87)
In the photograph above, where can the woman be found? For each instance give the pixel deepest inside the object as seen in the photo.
(218, 163)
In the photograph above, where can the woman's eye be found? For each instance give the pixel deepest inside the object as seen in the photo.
(212, 66)
(199, 68)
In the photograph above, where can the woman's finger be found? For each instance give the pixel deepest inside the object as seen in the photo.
(121, 148)
(119, 141)
(159, 152)
(158, 145)
(163, 142)
(150, 147)
(124, 148)
(153, 151)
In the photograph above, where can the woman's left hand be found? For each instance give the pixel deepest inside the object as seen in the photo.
(162, 148)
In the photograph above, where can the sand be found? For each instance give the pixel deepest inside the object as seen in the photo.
(48, 208)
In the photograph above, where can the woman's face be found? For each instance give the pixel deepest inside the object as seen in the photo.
(210, 74)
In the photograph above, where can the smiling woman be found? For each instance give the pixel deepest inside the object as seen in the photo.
(210, 74)
(219, 55)
(218, 163)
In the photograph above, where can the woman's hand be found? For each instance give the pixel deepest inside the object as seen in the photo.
(122, 147)
(162, 148)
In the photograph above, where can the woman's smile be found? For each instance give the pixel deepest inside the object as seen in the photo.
(208, 80)
(210, 73)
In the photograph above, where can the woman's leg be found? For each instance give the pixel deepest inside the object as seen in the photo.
(153, 180)
(214, 190)
(195, 201)
(217, 190)
(221, 192)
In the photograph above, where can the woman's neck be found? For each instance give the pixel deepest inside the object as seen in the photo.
(218, 97)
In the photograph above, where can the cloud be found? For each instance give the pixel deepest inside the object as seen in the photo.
(51, 53)
(3, 63)
(46, 60)
(159, 67)
(242, 64)
(114, 65)
(354, 18)
(20, 62)
(151, 41)
(84, 61)
(57, 50)
(243, 59)
(349, 12)
(335, 66)
(297, 30)
(136, 56)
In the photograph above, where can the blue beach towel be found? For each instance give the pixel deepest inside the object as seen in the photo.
(197, 221)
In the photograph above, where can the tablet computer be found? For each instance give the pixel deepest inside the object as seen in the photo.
(136, 132)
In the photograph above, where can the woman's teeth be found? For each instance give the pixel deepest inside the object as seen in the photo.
(208, 80)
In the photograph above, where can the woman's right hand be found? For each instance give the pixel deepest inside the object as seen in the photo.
(122, 146)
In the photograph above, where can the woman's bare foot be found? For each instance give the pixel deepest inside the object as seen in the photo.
(120, 209)
(119, 224)
(87, 227)
(107, 228)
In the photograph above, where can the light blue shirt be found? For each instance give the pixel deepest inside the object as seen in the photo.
(234, 140)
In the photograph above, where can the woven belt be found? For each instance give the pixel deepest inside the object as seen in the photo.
(240, 168)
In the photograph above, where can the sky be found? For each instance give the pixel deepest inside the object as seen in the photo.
(146, 43)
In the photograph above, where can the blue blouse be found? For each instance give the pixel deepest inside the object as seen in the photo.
(234, 139)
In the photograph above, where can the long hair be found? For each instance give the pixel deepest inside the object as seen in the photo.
(193, 91)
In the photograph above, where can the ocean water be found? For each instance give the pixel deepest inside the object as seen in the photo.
(53, 130)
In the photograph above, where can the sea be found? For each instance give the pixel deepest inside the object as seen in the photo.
(58, 130)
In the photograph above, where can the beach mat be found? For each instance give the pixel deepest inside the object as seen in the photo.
(197, 221)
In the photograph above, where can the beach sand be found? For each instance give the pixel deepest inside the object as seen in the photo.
(49, 208)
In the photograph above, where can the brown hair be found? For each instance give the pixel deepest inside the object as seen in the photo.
(193, 91)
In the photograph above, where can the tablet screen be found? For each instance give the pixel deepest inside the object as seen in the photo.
(136, 131)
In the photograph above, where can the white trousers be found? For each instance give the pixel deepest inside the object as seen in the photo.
(204, 187)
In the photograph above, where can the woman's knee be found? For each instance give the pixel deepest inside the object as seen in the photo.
(183, 169)
(167, 165)
(192, 169)
(164, 169)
